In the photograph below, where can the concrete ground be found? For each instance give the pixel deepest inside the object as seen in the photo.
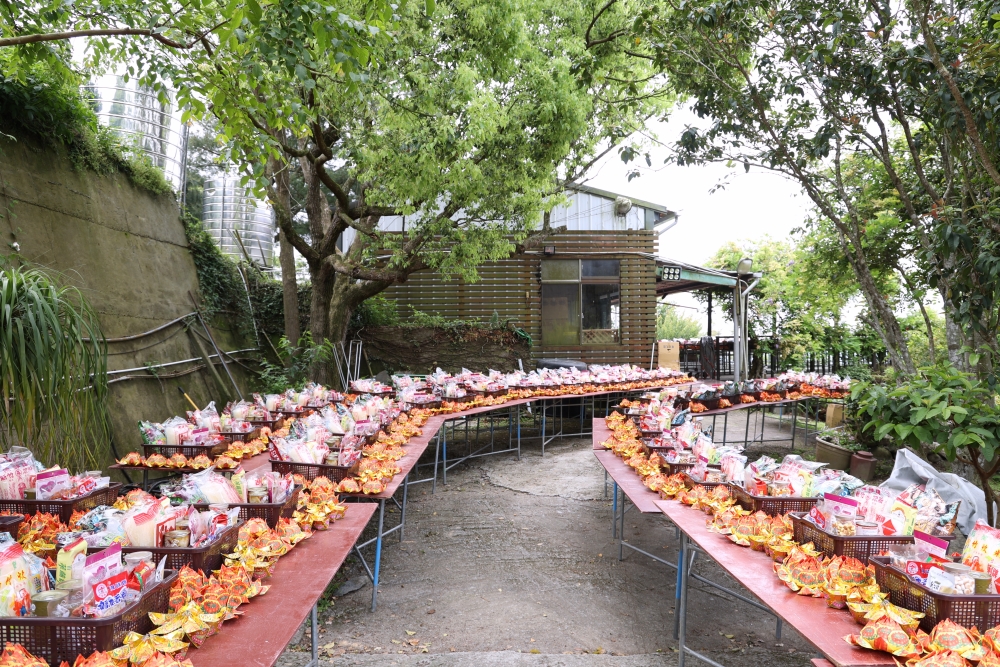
(513, 563)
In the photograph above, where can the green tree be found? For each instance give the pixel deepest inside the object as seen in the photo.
(456, 133)
(672, 324)
(803, 88)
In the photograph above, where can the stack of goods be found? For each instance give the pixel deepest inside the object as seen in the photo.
(880, 511)
(24, 478)
(370, 386)
(704, 399)
(141, 520)
(209, 487)
(78, 585)
(774, 391)
(795, 477)
(469, 389)
(816, 385)
(249, 411)
(750, 390)
(179, 432)
(291, 402)
(227, 460)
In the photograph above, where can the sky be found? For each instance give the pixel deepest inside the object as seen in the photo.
(750, 205)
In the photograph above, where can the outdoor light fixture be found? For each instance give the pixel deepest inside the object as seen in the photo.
(670, 272)
(549, 250)
(745, 266)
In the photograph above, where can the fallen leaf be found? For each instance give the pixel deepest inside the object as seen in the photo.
(430, 611)
(500, 590)
(445, 634)
(599, 651)
(532, 640)
(330, 645)
(395, 641)
(534, 650)
(729, 636)
(411, 632)
(413, 642)
(451, 648)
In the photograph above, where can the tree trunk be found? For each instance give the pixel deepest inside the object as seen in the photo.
(281, 195)
(882, 317)
(323, 278)
(289, 290)
(953, 336)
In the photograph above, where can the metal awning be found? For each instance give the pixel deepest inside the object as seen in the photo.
(673, 277)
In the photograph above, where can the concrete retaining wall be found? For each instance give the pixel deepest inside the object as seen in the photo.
(126, 251)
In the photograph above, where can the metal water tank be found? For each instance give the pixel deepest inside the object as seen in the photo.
(143, 121)
(229, 206)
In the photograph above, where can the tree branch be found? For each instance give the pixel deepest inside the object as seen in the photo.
(96, 32)
(971, 129)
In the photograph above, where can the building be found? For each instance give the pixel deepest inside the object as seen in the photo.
(229, 208)
(142, 120)
(589, 293)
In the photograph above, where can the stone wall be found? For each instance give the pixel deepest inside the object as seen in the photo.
(126, 251)
(420, 350)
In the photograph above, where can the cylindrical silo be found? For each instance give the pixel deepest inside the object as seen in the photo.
(228, 207)
(143, 121)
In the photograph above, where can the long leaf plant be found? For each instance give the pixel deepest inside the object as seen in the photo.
(53, 371)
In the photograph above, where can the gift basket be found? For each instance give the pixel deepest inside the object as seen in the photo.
(179, 436)
(264, 495)
(26, 488)
(874, 519)
(139, 523)
(92, 604)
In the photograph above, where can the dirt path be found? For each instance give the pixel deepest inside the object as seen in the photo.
(513, 563)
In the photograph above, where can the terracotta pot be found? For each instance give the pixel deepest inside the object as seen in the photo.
(838, 458)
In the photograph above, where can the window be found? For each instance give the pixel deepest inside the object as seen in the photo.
(581, 301)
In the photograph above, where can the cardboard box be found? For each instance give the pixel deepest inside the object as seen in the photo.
(669, 354)
(834, 414)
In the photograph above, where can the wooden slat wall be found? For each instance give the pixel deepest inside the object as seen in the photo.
(512, 288)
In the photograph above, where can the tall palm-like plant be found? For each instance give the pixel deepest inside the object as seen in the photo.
(53, 371)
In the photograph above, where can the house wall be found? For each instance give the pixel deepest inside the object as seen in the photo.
(512, 288)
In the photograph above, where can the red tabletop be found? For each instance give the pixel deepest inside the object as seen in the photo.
(259, 637)
(625, 477)
(414, 448)
(601, 433)
(819, 625)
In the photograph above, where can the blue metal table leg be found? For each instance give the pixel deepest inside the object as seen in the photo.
(444, 454)
(402, 510)
(681, 566)
(518, 431)
(614, 511)
(378, 553)
(437, 452)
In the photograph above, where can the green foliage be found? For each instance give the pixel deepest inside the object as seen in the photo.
(671, 324)
(219, 281)
(941, 410)
(267, 299)
(377, 311)
(48, 107)
(53, 361)
(296, 364)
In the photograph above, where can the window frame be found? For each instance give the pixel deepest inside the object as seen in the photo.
(580, 281)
